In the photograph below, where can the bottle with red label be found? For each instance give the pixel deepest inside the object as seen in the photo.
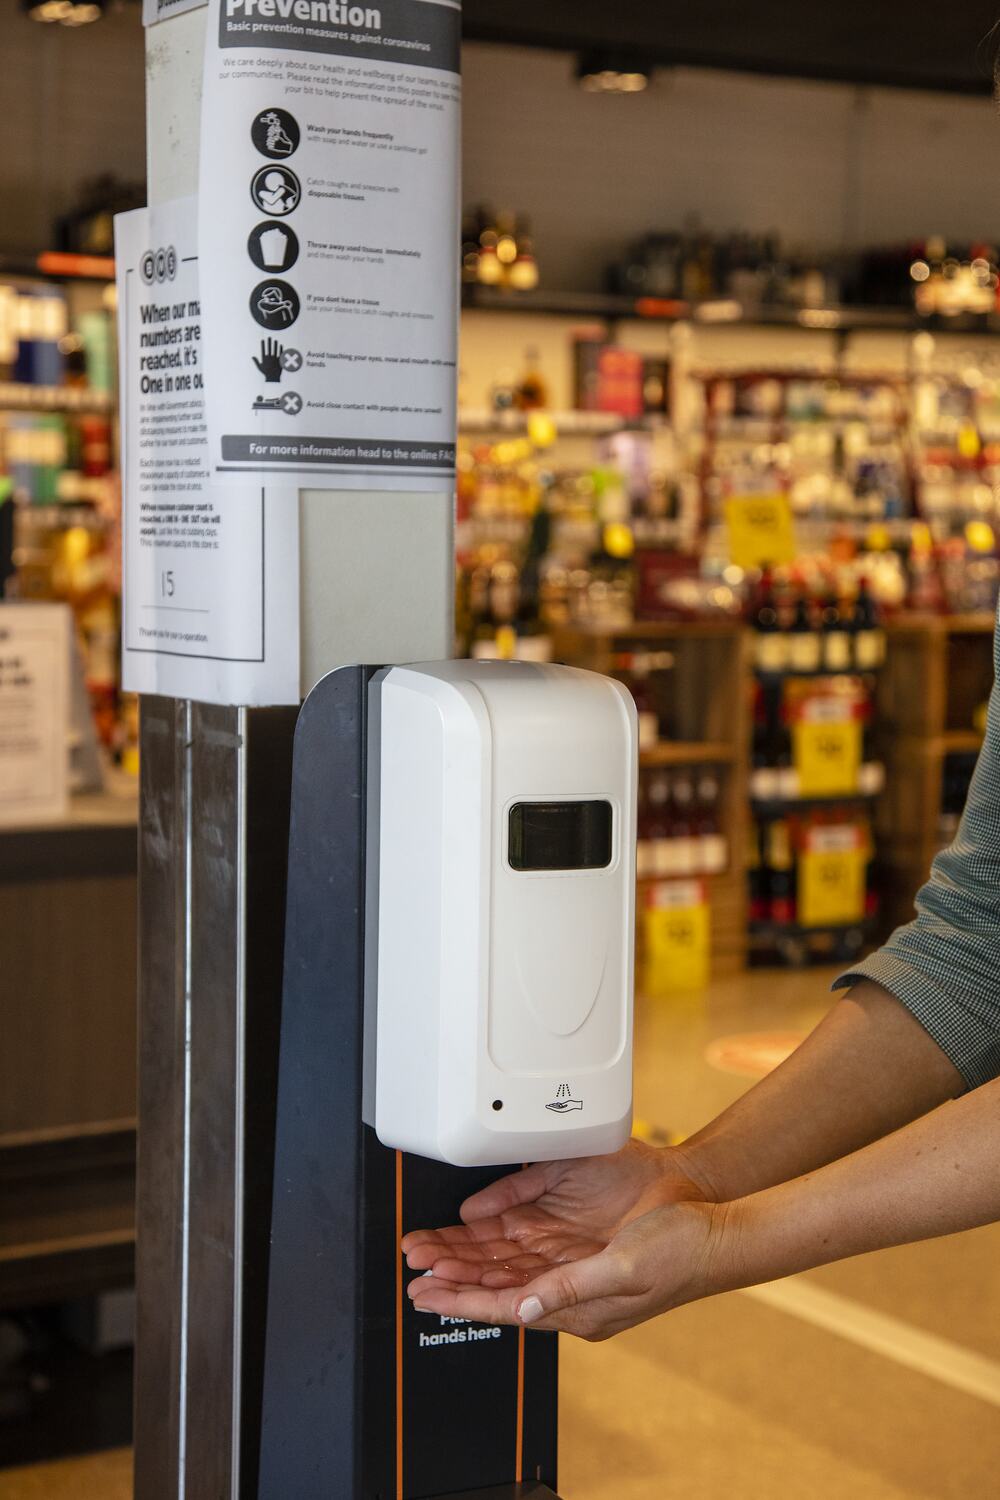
(781, 873)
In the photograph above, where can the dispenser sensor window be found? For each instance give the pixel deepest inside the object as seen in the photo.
(560, 835)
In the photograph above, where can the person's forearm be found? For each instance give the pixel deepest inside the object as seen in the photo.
(936, 1176)
(868, 1068)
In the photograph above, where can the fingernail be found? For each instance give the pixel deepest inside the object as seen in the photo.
(530, 1310)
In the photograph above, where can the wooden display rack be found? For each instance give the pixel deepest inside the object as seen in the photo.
(938, 670)
(709, 706)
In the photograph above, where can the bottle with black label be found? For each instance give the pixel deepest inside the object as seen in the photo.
(805, 652)
(770, 642)
(869, 638)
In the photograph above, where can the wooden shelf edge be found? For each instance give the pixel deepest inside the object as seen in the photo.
(688, 752)
(650, 630)
(982, 623)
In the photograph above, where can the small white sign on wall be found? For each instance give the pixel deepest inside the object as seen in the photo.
(35, 646)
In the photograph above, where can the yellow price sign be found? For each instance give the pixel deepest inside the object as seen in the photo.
(831, 887)
(761, 530)
(676, 932)
(827, 756)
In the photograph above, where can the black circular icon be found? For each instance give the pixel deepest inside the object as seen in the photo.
(274, 304)
(275, 190)
(275, 133)
(158, 265)
(273, 247)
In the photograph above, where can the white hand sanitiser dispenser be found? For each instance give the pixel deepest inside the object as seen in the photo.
(500, 911)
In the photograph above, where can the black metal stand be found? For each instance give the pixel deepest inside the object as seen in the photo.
(365, 1399)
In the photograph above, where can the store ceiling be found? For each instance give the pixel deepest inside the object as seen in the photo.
(904, 43)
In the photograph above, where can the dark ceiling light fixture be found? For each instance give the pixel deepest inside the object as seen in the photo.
(64, 12)
(612, 73)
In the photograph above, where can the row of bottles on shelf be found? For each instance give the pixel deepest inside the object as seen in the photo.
(498, 250)
(797, 630)
(38, 345)
(813, 870)
(680, 831)
(813, 739)
(939, 279)
(55, 456)
(695, 265)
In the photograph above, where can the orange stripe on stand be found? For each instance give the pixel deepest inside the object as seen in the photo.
(519, 1431)
(399, 1327)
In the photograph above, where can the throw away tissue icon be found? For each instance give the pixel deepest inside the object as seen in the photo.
(274, 248)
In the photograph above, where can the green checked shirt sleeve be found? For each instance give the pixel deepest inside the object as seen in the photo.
(945, 965)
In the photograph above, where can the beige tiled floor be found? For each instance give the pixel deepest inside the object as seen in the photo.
(733, 1399)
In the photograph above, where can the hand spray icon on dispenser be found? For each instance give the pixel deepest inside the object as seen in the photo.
(564, 1100)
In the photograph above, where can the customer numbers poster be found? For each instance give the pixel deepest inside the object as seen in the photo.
(210, 573)
(329, 240)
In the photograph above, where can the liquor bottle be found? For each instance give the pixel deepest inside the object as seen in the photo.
(531, 393)
(757, 874)
(684, 836)
(645, 702)
(805, 650)
(712, 851)
(782, 755)
(489, 269)
(781, 873)
(770, 644)
(764, 774)
(659, 826)
(506, 242)
(523, 274)
(836, 637)
(869, 638)
(534, 642)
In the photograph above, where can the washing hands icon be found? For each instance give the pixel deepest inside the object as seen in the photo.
(564, 1100)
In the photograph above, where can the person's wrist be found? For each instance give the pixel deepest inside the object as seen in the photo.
(689, 1163)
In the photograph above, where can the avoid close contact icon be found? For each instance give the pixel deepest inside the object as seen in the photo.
(289, 402)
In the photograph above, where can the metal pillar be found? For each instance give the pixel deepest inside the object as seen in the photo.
(376, 579)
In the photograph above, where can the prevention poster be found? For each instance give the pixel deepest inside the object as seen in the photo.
(329, 241)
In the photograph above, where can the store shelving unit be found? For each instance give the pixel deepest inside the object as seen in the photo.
(19, 396)
(708, 707)
(720, 311)
(939, 670)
